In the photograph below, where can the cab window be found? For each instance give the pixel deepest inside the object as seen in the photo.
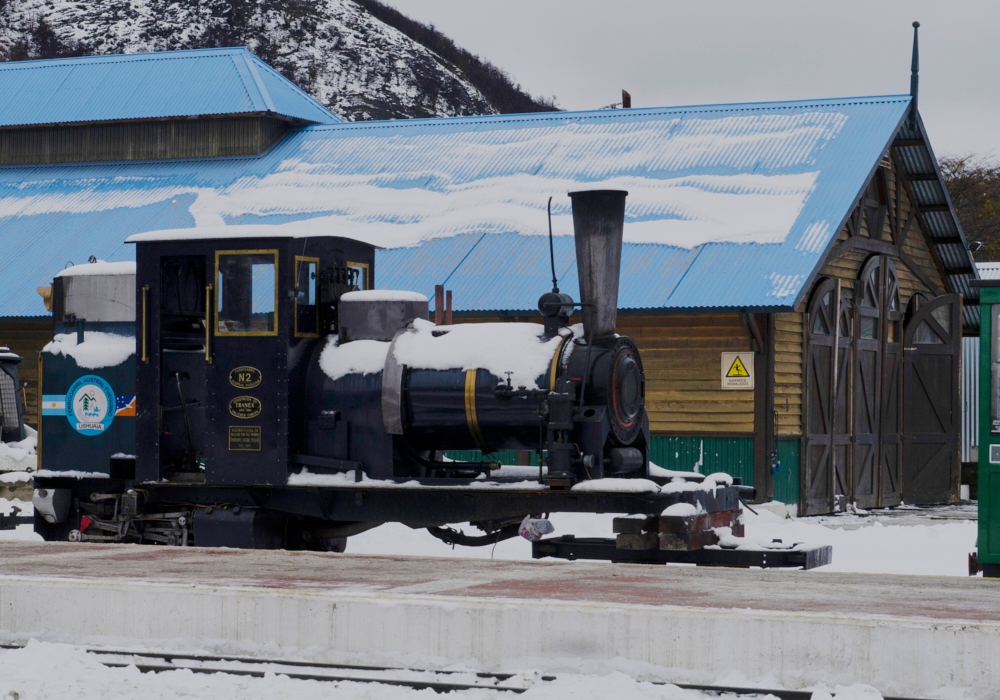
(306, 308)
(360, 274)
(246, 295)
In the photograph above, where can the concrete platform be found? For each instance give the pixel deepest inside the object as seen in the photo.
(903, 634)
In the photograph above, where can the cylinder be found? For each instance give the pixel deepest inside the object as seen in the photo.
(598, 224)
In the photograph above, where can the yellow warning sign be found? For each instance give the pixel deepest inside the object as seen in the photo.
(737, 370)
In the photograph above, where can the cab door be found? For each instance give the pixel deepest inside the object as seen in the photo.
(247, 380)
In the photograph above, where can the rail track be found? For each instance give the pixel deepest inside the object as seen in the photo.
(441, 681)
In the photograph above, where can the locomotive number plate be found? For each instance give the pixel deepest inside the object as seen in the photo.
(244, 438)
(245, 377)
(245, 407)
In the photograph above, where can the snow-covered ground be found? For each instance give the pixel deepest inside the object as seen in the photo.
(873, 544)
(43, 671)
(860, 544)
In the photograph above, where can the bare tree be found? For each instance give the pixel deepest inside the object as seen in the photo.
(974, 186)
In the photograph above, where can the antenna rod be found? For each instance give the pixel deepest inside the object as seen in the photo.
(914, 78)
(552, 252)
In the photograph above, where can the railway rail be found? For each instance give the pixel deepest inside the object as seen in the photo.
(440, 681)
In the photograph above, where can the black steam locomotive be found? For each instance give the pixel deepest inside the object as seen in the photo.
(259, 392)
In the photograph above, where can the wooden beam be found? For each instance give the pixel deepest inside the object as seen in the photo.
(861, 243)
(756, 340)
(763, 419)
(910, 218)
(913, 177)
(933, 207)
(842, 249)
(921, 275)
(899, 143)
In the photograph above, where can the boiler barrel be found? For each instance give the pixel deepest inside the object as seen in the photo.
(459, 410)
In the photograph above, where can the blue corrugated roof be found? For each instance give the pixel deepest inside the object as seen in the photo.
(150, 86)
(729, 205)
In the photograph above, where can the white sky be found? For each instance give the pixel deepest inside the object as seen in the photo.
(672, 52)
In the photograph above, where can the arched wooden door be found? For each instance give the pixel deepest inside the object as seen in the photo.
(867, 384)
(932, 409)
(890, 418)
(827, 454)
(877, 468)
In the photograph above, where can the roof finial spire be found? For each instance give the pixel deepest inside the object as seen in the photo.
(914, 78)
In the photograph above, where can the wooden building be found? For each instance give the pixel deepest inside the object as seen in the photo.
(810, 243)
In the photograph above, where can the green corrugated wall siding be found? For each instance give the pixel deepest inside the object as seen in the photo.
(732, 455)
(786, 479)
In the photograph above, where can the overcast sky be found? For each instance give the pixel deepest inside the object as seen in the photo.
(668, 52)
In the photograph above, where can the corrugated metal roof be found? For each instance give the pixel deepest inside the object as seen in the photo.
(938, 218)
(989, 270)
(730, 205)
(149, 86)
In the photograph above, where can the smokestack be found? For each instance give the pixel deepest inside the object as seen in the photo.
(598, 223)
(626, 100)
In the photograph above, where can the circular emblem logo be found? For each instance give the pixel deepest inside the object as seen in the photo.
(245, 407)
(245, 377)
(90, 405)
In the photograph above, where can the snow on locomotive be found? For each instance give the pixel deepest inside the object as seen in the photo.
(256, 391)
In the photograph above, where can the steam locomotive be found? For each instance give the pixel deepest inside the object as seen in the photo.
(259, 392)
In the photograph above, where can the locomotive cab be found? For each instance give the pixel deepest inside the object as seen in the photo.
(226, 330)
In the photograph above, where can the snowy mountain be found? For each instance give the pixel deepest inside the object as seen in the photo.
(353, 61)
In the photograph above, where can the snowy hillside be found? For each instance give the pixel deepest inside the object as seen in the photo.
(357, 65)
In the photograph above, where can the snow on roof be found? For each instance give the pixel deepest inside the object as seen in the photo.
(729, 205)
(99, 268)
(150, 86)
(382, 295)
(293, 229)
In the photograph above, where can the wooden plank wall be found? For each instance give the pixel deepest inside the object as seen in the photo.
(681, 359)
(147, 140)
(27, 338)
(788, 373)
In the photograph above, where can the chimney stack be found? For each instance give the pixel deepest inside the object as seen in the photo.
(438, 304)
(598, 224)
(626, 100)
